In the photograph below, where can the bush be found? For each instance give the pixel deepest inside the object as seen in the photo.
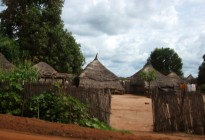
(61, 108)
(11, 103)
(95, 123)
(64, 109)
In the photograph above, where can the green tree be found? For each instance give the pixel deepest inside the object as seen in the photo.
(37, 26)
(166, 60)
(9, 48)
(148, 76)
(201, 74)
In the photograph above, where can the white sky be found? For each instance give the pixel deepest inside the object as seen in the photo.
(124, 32)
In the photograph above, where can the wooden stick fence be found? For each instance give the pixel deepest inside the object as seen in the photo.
(178, 111)
(97, 100)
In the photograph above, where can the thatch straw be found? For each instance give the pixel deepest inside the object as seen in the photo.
(96, 75)
(45, 70)
(175, 78)
(161, 80)
(5, 65)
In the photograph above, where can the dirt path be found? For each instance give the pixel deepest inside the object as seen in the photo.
(18, 128)
(14, 135)
(134, 113)
(131, 112)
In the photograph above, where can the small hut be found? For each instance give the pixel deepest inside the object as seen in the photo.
(96, 75)
(140, 86)
(190, 79)
(49, 74)
(45, 70)
(175, 78)
(5, 65)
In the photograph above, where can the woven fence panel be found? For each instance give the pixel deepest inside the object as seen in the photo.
(178, 111)
(98, 101)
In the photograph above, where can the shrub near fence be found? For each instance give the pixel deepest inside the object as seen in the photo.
(97, 100)
(178, 111)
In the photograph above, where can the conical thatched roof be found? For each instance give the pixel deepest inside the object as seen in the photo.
(98, 76)
(190, 79)
(5, 64)
(161, 80)
(45, 69)
(175, 78)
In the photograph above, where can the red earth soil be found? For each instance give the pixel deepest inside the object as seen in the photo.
(34, 128)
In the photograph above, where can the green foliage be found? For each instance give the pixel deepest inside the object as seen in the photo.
(19, 75)
(95, 123)
(55, 108)
(201, 74)
(148, 76)
(11, 103)
(64, 109)
(37, 27)
(9, 48)
(47, 106)
(166, 60)
(202, 88)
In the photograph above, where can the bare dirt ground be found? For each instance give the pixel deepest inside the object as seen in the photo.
(131, 112)
(134, 113)
(20, 128)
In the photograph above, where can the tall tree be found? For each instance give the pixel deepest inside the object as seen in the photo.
(166, 60)
(201, 74)
(9, 48)
(37, 26)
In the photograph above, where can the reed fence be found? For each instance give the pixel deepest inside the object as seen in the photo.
(178, 111)
(97, 100)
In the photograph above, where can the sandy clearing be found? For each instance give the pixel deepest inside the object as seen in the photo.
(131, 112)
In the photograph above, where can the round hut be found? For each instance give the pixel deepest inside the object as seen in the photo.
(5, 65)
(49, 74)
(139, 86)
(175, 78)
(45, 70)
(96, 75)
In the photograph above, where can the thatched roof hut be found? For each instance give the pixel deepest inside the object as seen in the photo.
(137, 84)
(45, 70)
(5, 65)
(96, 75)
(49, 74)
(175, 78)
(190, 79)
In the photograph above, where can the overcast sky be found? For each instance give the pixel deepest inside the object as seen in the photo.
(124, 32)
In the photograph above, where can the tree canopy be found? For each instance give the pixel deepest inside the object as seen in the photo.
(9, 48)
(166, 60)
(201, 74)
(37, 27)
